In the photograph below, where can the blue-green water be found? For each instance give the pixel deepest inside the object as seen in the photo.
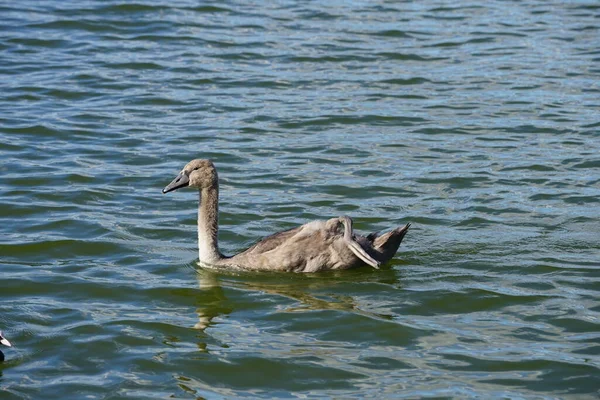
(477, 122)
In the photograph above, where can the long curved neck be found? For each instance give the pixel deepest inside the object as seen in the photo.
(208, 225)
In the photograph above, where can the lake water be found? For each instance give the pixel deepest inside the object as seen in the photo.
(477, 122)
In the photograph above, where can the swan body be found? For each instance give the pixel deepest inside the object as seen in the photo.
(312, 247)
(5, 342)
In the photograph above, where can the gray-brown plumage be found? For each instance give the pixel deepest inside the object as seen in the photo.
(315, 246)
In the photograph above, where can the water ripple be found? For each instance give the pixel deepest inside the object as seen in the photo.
(476, 122)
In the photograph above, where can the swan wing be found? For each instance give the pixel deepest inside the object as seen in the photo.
(273, 241)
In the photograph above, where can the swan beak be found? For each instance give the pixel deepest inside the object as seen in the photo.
(181, 180)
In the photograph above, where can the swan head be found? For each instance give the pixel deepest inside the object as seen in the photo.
(197, 173)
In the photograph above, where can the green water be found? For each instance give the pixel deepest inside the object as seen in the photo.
(479, 123)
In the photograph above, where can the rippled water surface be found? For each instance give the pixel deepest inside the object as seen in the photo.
(479, 122)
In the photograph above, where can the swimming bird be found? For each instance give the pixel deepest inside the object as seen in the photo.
(315, 246)
(5, 342)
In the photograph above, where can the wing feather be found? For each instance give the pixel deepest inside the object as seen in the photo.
(273, 241)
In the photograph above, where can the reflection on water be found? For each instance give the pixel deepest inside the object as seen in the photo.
(215, 303)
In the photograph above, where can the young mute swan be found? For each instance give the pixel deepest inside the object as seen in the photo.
(315, 246)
